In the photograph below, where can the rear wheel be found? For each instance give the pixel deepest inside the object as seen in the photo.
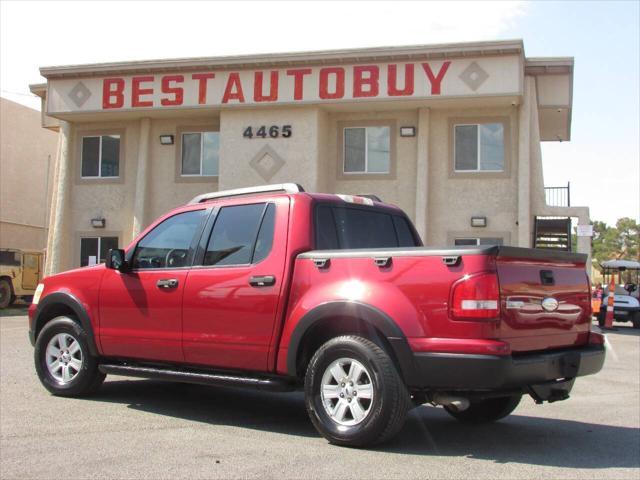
(6, 293)
(485, 411)
(353, 393)
(63, 361)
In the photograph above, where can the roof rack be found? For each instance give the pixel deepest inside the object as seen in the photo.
(278, 187)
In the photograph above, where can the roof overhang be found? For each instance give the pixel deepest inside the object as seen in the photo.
(554, 85)
(333, 57)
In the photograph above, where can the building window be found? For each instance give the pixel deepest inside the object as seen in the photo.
(479, 147)
(477, 241)
(200, 153)
(94, 250)
(367, 149)
(101, 156)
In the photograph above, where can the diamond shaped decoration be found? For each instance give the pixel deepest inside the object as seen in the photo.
(79, 94)
(474, 76)
(267, 163)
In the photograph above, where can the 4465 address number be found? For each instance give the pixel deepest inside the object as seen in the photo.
(273, 131)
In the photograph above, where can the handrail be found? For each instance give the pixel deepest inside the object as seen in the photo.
(558, 196)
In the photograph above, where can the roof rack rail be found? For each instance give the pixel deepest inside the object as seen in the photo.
(278, 187)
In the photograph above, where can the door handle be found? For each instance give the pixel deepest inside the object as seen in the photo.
(262, 281)
(167, 283)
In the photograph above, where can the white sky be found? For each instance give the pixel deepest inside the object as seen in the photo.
(35, 34)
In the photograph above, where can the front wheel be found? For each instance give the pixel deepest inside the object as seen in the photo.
(354, 394)
(485, 411)
(63, 361)
(636, 320)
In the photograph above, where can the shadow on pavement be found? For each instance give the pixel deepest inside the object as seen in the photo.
(14, 310)
(623, 329)
(428, 431)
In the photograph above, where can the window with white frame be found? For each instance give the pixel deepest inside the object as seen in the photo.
(100, 156)
(94, 250)
(200, 153)
(367, 149)
(477, 241)
(479, 147)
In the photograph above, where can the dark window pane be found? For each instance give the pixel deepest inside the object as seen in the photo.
(378, 148)
(466, 147)
(492, 147)
(490, 241)
(88, 248)
(90, 156)
(191, 153)
(10, 258)
(466, 241)
(326, 235)
(405, 237)
(167, 245)
(354, 149)
(265, 235)
(233, 235)
(110, 156)
(106, 244)
(210, 158)
(364, 229)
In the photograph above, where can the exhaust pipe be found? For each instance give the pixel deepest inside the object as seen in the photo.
(458, 404)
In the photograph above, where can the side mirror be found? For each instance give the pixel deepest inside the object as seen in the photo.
(116, 261)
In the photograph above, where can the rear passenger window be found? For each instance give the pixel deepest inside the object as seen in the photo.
(238, 231)
(405, 236)
(342, 228)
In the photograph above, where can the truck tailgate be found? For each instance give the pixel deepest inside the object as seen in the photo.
(545, 301)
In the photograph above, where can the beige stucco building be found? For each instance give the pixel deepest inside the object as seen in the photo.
(27, 154)
(450, 133)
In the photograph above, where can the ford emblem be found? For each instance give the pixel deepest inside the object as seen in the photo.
(550, 304)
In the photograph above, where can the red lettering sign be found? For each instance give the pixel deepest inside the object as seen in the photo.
(370, 81)
(392, 81)
(298, 76)
(436, 80)
(273, 87)
(202, 85)
(324, 83)
(113, 93)
(137, 92)
(178, 92)
(233, 90)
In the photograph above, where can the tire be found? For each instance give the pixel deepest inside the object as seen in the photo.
(6, 293)
(636, 320)
(485, 411)
(82, 376)
(602, 314)
(373, 417)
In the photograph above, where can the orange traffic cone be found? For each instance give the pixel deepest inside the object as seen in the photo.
(608, 320)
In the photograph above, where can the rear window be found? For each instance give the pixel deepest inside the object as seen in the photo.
(344, 227)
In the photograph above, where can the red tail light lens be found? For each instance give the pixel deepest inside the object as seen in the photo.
(476, 297)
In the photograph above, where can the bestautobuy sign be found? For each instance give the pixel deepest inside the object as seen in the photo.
(319, 84)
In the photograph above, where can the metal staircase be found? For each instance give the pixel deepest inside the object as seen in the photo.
(553, 233)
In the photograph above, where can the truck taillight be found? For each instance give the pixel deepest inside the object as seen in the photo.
(476, 297)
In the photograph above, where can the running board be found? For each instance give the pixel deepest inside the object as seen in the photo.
(199, 377)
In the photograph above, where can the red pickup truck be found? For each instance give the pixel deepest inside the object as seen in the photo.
(277, 289)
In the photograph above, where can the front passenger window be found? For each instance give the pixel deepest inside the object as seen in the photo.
(168, 244)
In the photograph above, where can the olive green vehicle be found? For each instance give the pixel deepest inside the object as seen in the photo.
(20, 273)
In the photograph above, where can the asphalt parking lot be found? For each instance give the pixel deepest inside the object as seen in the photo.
(148, 429)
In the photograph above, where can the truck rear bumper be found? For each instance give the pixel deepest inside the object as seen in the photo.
(453, 371)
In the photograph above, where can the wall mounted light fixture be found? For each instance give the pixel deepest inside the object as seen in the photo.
(166, 139)
(478, 221)
(407, 131)
(98, 222)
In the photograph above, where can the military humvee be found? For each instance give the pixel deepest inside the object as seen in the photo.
(20, 273)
